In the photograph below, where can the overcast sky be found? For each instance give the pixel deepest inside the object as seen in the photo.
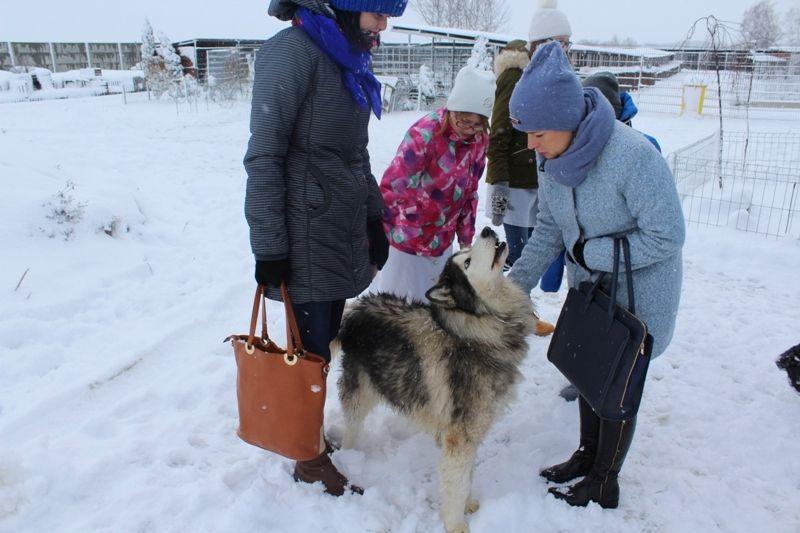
(101, 20)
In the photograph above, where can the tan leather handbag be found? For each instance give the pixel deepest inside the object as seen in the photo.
(281, 393)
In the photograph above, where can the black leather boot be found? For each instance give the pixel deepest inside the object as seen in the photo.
(582, 460)
(601, 484)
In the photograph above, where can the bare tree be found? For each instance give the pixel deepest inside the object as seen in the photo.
(761, 25)
(791, 27)
(720, 35)
(478, 15)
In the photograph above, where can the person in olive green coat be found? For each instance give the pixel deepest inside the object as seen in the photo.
(512, 166)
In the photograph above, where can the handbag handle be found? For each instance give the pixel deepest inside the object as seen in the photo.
(257, 302)
(294, 343)
(626, 253)
(293, 339)
(614, 281)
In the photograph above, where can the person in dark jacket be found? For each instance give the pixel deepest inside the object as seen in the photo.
(624, 106)
(598, 179)
(313, 206)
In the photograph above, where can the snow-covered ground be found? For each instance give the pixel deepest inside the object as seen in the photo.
(117, 396)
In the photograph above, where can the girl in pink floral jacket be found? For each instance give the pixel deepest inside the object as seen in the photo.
(431, 187)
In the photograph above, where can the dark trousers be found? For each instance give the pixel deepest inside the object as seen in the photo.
(516, 237)
(319, 324)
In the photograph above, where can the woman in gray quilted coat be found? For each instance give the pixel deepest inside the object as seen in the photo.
(313, 205)
(598, 178)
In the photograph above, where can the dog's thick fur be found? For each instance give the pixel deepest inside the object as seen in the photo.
(450, 366)
(790, 362)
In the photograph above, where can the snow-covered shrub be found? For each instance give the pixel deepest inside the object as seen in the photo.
(173, 70)
(64, 213)
(426, 87)
(152, 63)
(481, 58)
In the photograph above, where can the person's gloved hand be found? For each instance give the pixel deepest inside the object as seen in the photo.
(272, 272)
(499, 202)
(378, 243)
(577, 253)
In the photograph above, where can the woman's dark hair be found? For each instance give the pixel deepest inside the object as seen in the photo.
(350, 22)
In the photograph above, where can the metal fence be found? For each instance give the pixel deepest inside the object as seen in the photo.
(229, 73)
(62, 56)
(752, 85)
(746, 181)
(404, 60)
(749, 84)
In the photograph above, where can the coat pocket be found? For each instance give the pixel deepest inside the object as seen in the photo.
(318, 193)
(522, 158)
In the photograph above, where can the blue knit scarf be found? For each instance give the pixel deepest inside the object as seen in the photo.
(572, 167)
(355, 64)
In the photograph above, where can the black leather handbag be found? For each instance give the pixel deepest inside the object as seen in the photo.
(602, 348)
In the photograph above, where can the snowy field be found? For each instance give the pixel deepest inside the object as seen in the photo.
(117, 396)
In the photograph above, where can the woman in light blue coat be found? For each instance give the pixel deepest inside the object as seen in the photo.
(597, 179)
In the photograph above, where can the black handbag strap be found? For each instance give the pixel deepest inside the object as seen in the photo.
(619, 242)
(614, 280)
(626, 252)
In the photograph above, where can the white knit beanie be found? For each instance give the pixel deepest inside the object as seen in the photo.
(548, 22)
(473, 92)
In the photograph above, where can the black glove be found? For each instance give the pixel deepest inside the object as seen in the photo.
(378, 243)
(272, 272)
(577, 253)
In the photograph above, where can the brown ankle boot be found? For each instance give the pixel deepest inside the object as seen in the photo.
(322, 469)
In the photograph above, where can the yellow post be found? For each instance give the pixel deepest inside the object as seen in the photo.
(702, 99)
(693, 98)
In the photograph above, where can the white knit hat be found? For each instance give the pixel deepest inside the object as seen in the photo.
(473, 92)
(548, 22)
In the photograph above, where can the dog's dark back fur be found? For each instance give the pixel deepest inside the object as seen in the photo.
(376, 339)
(790, 362)
(383, 349)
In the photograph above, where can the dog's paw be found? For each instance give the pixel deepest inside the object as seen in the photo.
(472, 505)
(543, 329)
(458, 528)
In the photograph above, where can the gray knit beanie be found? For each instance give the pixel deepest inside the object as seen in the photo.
(608, 84)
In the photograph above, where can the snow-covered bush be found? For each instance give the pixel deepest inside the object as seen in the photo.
(152, 63)
(173, 70)
(481, 58)
(64, 213)
(426, 87)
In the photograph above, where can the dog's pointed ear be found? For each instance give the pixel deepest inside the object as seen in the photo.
(440, 294)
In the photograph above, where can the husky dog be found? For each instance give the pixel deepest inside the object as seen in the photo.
(790, 362)
(450, 366)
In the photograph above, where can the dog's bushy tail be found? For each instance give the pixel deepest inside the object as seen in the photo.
(335, 345)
